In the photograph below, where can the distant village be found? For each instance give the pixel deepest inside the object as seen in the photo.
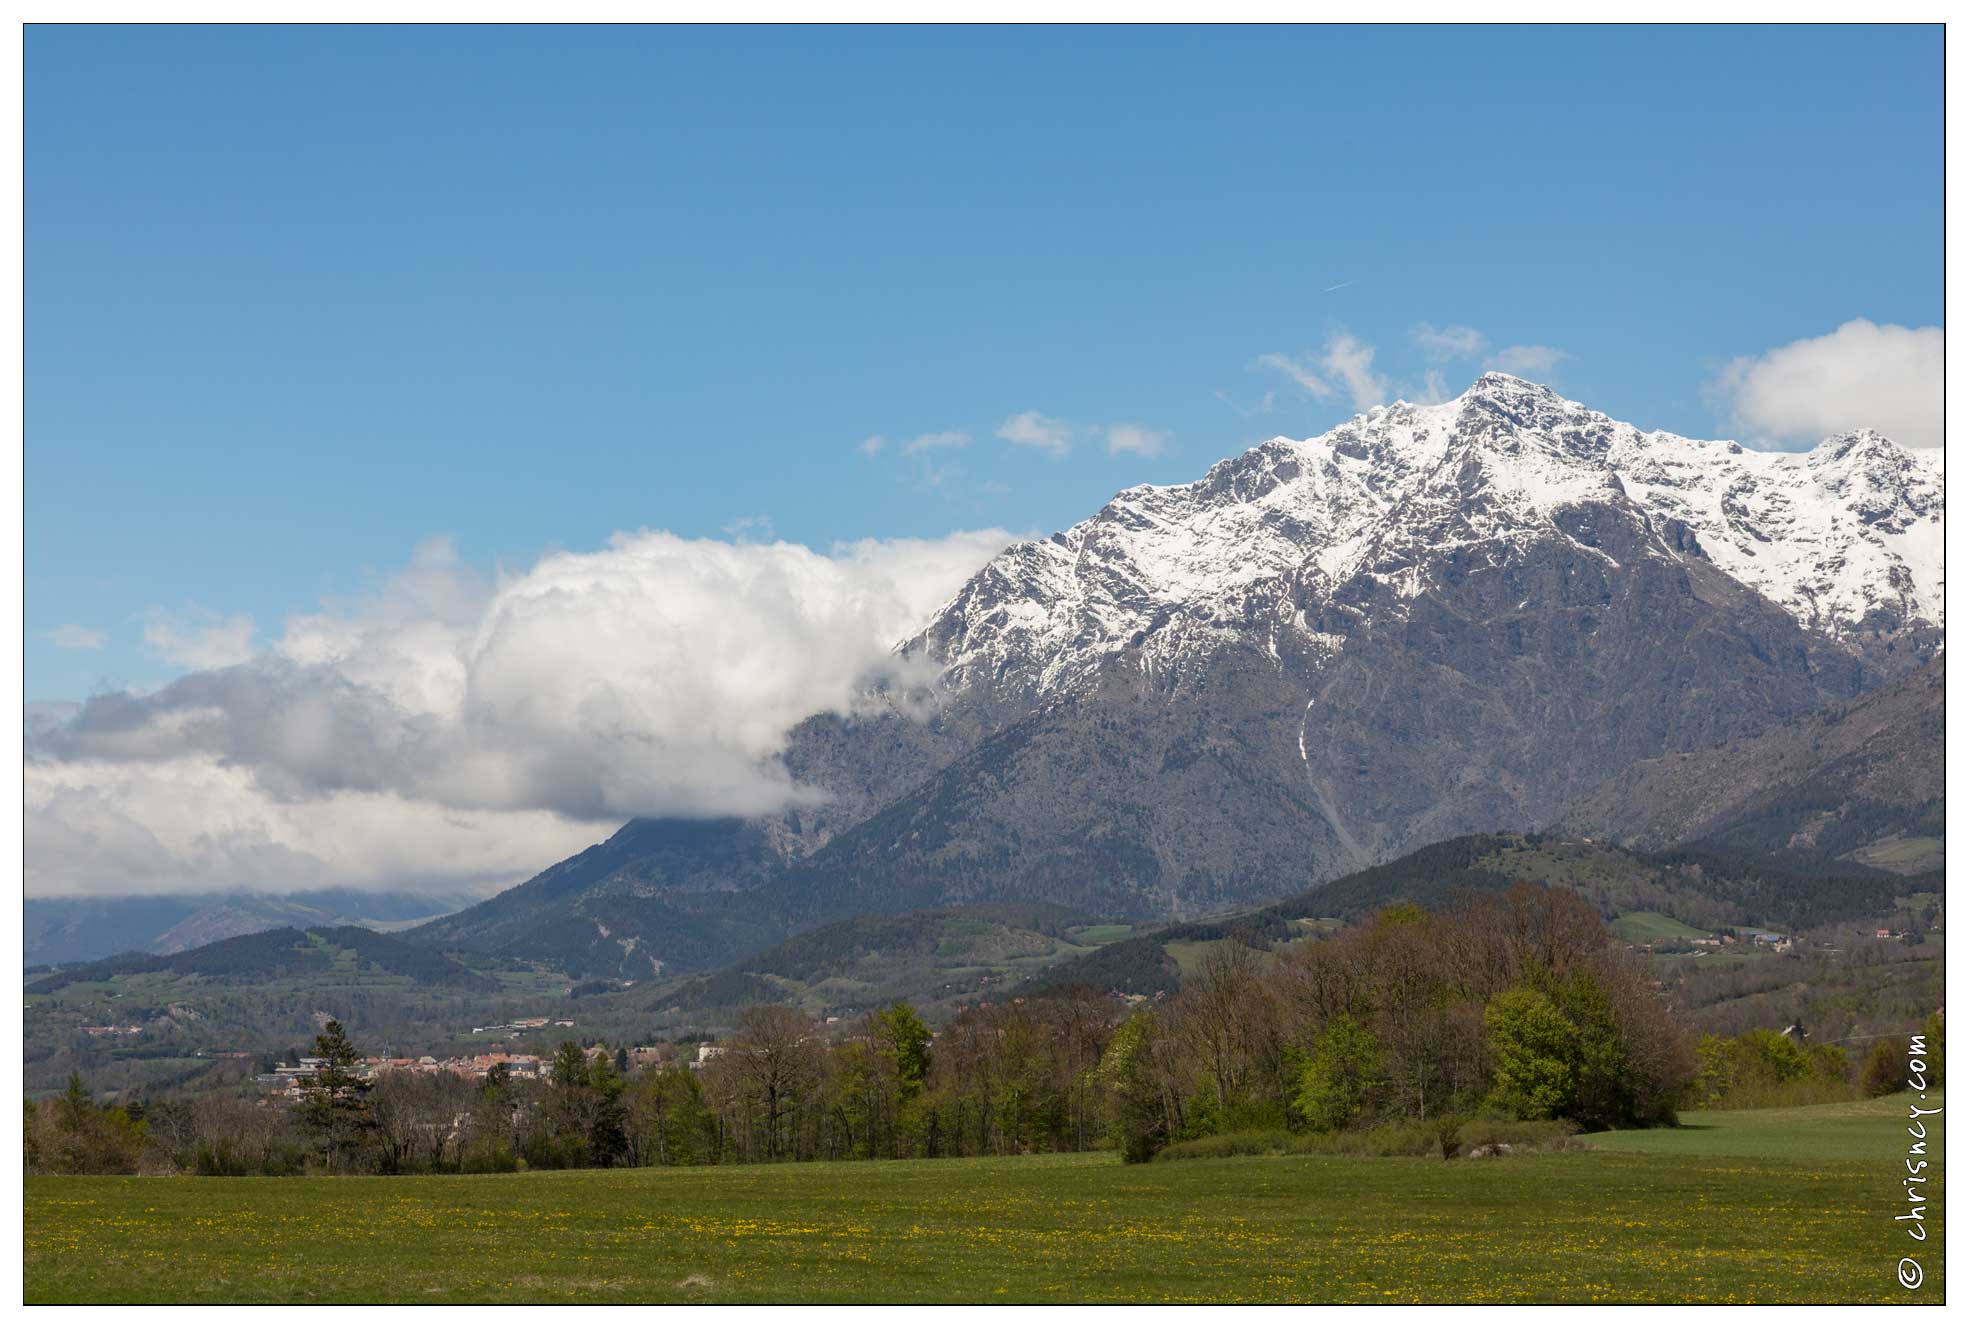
(289, 1081)
(1777, 943)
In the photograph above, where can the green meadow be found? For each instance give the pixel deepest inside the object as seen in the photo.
(1779, 1206)
(1644, 926)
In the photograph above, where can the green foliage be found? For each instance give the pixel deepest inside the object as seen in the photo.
(1764, 1068)
(1931, 1049)
(1342, 1073)
(582, 1122)
(1604, 1088)
(1536, 1052)
(71, 1134)
(1438, 1137)
(334, 1099)
(1138, 1105)
(570, 1066)
(669, 1124)
(488, 1155)
(1885, 1070)
(905, 1044)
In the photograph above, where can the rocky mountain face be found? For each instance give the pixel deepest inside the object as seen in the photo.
(1861, 781)
(1846, 539)
(1430, 620)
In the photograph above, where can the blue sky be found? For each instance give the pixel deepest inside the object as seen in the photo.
(299, 299)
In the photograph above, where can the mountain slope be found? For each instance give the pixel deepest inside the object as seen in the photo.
(1835, 783)
(65, 930)
(281, 951)
(657, 892)
(933, 958)
(1429, 621)
(1709, 890)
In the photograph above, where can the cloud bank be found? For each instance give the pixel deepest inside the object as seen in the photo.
(1861, 375)
(463, 730)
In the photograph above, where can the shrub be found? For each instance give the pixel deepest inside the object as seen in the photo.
(71, 1134)
(1404, 1139)
(488, 1155)
(1885, 1070)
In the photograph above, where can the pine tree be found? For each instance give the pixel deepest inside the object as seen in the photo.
(334, 1099)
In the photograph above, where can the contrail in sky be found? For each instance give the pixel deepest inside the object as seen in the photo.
(1342, 285)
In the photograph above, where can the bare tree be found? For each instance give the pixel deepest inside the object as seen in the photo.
(776, 1053)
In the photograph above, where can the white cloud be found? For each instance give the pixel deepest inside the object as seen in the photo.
(943, 438)
(1861, 375)
(1298, 371)
(1450, 343)
(871, 445)
(1030, 429)
(1351, 361)
(1526, 359)
(1344, 358)
(74, 637)
(1136, 439)
(200, 641)
(657, 676)
(193, 825)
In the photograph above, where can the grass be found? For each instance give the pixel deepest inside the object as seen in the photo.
(1863, 1131)
(1643, 926)
(1788, 1207)
(1905, 854)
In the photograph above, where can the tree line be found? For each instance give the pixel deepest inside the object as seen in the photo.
(1512, 1006)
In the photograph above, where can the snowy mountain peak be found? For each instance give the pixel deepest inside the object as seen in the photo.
(1847, 537)
(1496, 386)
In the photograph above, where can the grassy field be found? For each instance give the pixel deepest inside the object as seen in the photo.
(1866, 1131)
(1644, 926)
(1757, 1206)
(1101, 934)
(1909, 854)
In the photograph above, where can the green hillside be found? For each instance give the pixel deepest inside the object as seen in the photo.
(933, 958)
(1686, 892)
(1644, 926)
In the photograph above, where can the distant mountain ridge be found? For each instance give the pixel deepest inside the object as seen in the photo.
(64, 930)
(279, 951)
(1429, 621)
(1708, 889)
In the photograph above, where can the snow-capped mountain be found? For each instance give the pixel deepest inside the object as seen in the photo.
(1846, 538)
(1427, 622)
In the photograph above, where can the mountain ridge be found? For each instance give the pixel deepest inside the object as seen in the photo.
(1428, 621)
